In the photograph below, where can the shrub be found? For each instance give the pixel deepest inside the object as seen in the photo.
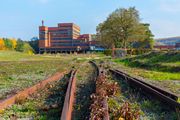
(108, 52)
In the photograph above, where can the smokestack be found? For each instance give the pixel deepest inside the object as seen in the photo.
(42, 22)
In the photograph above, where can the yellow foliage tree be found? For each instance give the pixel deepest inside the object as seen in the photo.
(14, 43)
(2, 46)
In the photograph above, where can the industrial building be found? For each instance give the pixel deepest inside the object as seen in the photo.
(65, 37)
(172, 43)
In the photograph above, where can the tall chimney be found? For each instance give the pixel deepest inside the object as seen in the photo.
(42, 22)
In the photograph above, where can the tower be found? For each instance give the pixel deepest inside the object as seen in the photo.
(42, 22)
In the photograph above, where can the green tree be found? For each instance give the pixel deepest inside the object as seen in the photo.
(119, 27)
(8, 43)
(27, 48)
(147, 41)
(20, 45)
(34, 43)
(122, 28)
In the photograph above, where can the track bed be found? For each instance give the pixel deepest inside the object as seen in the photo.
(46, 104)
(85, 87)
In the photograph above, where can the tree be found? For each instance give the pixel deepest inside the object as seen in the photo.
(20, 45)
(34, 43)
(122, 28)
(8, 43)
(14, 43)
(23, 46)
(27, 48)
(2, 45)
(148, 41)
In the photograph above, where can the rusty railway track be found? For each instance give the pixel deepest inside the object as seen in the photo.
(166, 97)
(69, 98)
(29, 91)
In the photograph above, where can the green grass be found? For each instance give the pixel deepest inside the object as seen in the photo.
(15, 76)
(155, 66)
(20, 70)
(36, 106)
(85, 86)
(16, 56)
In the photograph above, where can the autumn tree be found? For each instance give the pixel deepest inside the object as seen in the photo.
(2, 45)
(14, 43)
(7, 43)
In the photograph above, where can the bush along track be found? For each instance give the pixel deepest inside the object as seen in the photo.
(46, 104)
(104, 90)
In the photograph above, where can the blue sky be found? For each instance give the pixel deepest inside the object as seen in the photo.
(21, 18)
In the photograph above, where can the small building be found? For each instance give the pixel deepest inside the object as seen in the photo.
(177, 46)
(65, 37)
(170, 43)
(165, 47)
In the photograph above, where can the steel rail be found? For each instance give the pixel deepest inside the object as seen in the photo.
(161, 94)
(69, 98)
(171, 95)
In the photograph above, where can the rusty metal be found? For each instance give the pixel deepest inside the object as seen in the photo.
(97, 68)
(28, 91)
(169, 94)
(69, 98)
(161, 94)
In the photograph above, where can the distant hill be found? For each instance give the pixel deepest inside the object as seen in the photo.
(169, 41)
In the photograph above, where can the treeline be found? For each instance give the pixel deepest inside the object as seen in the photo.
(16, 44)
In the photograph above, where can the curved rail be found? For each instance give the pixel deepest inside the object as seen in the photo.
(97, 68)
(69, 98)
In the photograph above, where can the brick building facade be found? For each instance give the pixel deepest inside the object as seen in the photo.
(63, 38)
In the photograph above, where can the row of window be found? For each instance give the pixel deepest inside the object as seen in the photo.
(80, 44)
(68, 44)
(69, 39)
(57, 32)
(43, 32)
(58, 44)
(76, 32)
(43, 39)
(63, 32)
(61, 38)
